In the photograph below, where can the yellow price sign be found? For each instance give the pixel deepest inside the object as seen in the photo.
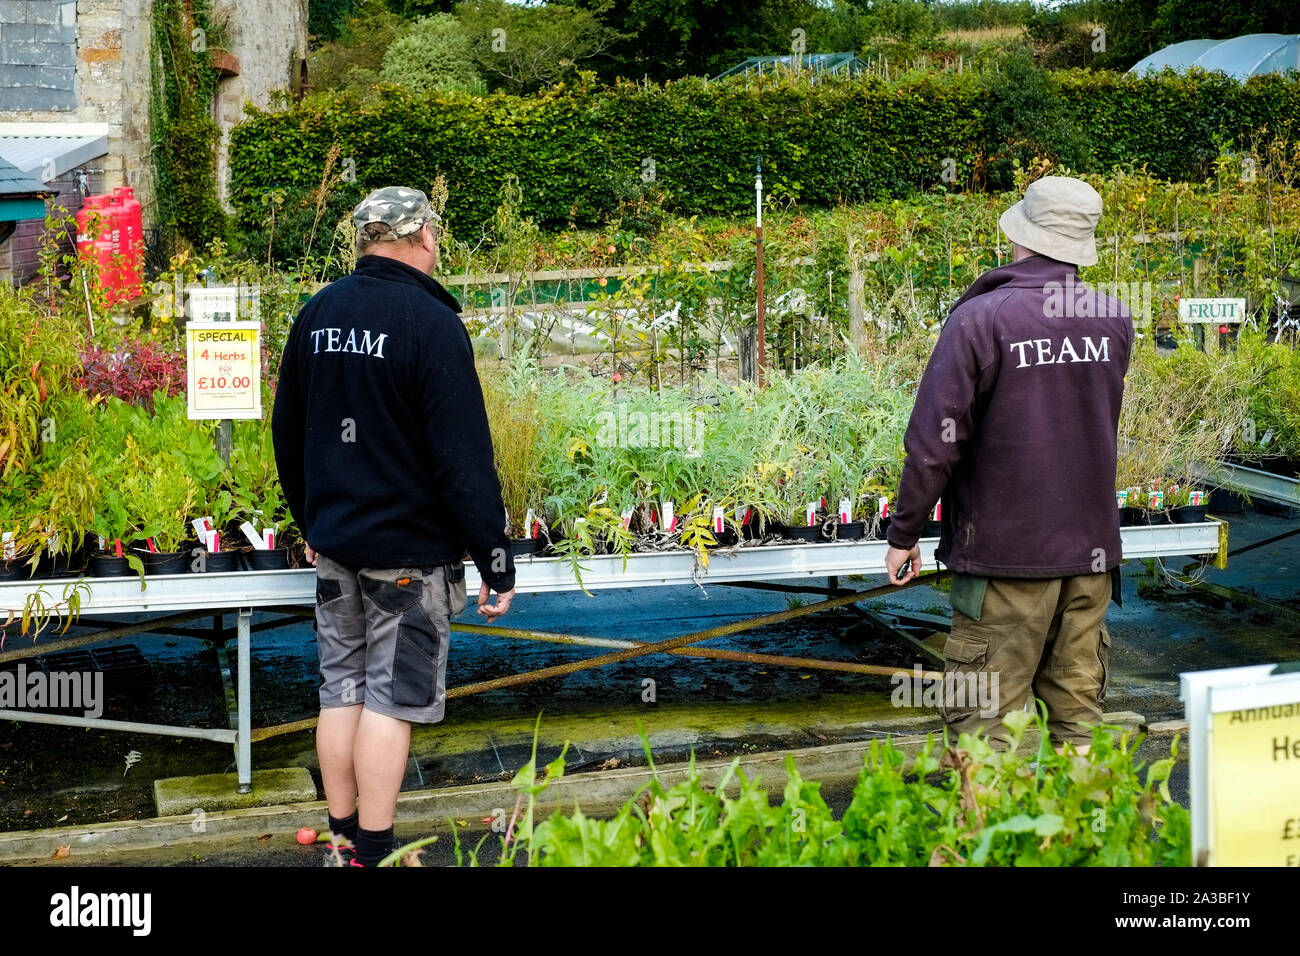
(1243, 726)
(223, 369)
(1255, 781)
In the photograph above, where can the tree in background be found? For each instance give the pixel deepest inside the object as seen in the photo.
(436, 53)
(1024, 123)
(983, 14)
(326, 19)
(1135, 28)
(912, 21)
(354, 59)
(523, 48)
(666, 39)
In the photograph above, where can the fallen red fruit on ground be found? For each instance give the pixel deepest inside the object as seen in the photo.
(306, 836)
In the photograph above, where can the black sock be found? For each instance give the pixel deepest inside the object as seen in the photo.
(373, 845)
(346, 828)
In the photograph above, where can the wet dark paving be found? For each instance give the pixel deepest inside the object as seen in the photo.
(61, 776)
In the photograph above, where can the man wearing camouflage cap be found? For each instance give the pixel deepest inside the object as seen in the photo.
(382, 444)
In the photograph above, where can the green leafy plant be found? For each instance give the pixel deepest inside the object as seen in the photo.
(956, 804)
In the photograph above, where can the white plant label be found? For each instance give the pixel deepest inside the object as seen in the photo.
(251, 533)
(846, 511)
(667, 520)
(719, 520)
(11, 550)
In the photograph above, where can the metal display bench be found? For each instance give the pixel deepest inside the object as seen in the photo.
(1278, 489)
(171, 601)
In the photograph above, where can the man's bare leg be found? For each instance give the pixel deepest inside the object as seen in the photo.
(382, 747)
(335, 747)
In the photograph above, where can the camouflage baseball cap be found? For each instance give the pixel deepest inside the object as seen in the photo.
(392, 212)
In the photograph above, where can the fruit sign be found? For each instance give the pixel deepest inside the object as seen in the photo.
(223, 369)
(1212, 311)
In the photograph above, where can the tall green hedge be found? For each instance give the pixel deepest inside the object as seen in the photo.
(846, 140)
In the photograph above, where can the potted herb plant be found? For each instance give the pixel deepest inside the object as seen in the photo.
(163, 508)
(257, 500)
(117, 531)
(64, 507)
(1187, 505)
(16, 558)
(219, 513)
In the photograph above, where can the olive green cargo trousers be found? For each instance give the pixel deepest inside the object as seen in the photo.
(1017, 637)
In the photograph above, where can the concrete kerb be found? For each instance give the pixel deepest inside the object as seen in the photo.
(597, 792)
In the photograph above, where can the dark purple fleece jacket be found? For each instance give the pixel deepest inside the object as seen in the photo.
(1015, 425)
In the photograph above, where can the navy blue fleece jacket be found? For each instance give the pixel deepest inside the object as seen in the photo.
(381, 437)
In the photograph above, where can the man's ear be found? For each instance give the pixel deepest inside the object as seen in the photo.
(429, 237)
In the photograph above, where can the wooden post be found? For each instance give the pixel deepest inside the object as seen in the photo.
(745, 348)
(758, 278)
(857, 307)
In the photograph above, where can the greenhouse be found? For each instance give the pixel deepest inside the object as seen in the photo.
(1240, 57)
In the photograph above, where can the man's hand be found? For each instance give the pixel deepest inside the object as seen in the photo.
(896, 558)
(309, 554)
(493, 611)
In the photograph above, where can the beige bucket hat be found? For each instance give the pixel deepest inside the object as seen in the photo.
(1057, 218)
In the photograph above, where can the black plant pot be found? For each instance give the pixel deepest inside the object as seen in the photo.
(276, 559)
(1223, 501)
(61, 565)
(853, 531)
(726, 538)
(1158, 516)
(750, 531)
(932, 529)
(105, 564)
(16, 570)
(1131, 517)
(1188, 514)
(802, 533)
(165, 562)
(524, 547)
(215, 562)
(882, 529)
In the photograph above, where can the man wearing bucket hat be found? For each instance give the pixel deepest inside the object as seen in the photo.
(1014, 435)
(383, 449)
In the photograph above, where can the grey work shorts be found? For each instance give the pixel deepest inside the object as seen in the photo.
(383, 635)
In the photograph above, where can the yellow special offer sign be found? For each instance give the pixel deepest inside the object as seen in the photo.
(1244, 725)
(223, 369)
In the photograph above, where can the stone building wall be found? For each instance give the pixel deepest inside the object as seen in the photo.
(109, 41)
(268, 37)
